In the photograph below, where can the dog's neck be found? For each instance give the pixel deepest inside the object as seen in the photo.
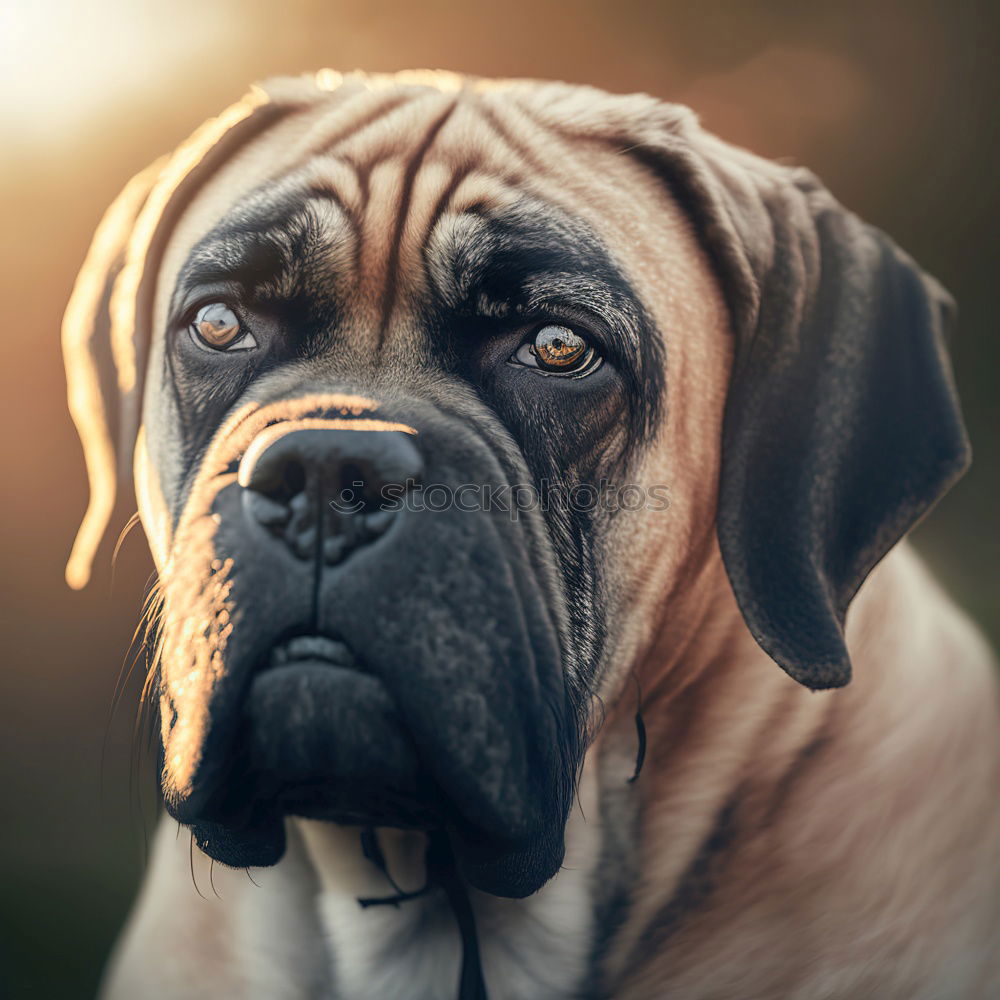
(755, 792)
(538, 947)
(700, 739)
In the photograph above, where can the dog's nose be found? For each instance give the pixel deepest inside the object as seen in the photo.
(328, 489)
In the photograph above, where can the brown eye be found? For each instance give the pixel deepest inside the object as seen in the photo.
(557, 350)
(216, 328)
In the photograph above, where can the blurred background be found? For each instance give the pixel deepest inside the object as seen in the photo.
(892, 102)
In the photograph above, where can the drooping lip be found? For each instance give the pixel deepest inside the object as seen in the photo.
(320, 737)
(324, 737)
(320, 733)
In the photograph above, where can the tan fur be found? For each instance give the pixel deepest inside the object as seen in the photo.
(859, 853)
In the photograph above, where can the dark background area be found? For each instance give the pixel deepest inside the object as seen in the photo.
(892, 102)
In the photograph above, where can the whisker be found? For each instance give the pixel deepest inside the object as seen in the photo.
(123, 534)
(137, 647)
(151, 609)
(640, 730)
(194, 881)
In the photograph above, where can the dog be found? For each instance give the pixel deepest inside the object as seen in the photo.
(518, 741)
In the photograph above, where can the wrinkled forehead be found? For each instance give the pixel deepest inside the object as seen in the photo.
(400, 186)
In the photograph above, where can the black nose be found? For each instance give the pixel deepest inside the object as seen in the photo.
(328, 489)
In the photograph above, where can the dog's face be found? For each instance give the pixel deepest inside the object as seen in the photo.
(405, 313)
(407, 346)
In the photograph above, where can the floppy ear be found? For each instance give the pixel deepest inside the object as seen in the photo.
(842, 425)
(90, 378)
(106, 326)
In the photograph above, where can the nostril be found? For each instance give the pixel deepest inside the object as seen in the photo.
(279, 481)
(293, 479)
(278, 471)
(355, 489)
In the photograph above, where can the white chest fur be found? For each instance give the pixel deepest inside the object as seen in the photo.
(537, 947)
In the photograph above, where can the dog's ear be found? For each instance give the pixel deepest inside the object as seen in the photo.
(91, 384)
(842, 424)
(106, 326)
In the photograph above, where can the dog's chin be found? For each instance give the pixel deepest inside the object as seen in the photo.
(318, 738)
(321, 739)
(466, 736)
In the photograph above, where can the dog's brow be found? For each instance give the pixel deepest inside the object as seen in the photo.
(261, 243)
(230, 260)
(232, 256)
(547, 261)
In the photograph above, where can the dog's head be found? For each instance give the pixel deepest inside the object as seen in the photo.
(405, 369)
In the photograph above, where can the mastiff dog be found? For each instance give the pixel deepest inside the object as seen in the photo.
(526, 473)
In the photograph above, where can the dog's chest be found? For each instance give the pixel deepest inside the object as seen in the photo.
(536, 948)
(539, 947)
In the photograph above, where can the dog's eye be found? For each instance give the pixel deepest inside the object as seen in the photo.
(216, 328)
(557, 350)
